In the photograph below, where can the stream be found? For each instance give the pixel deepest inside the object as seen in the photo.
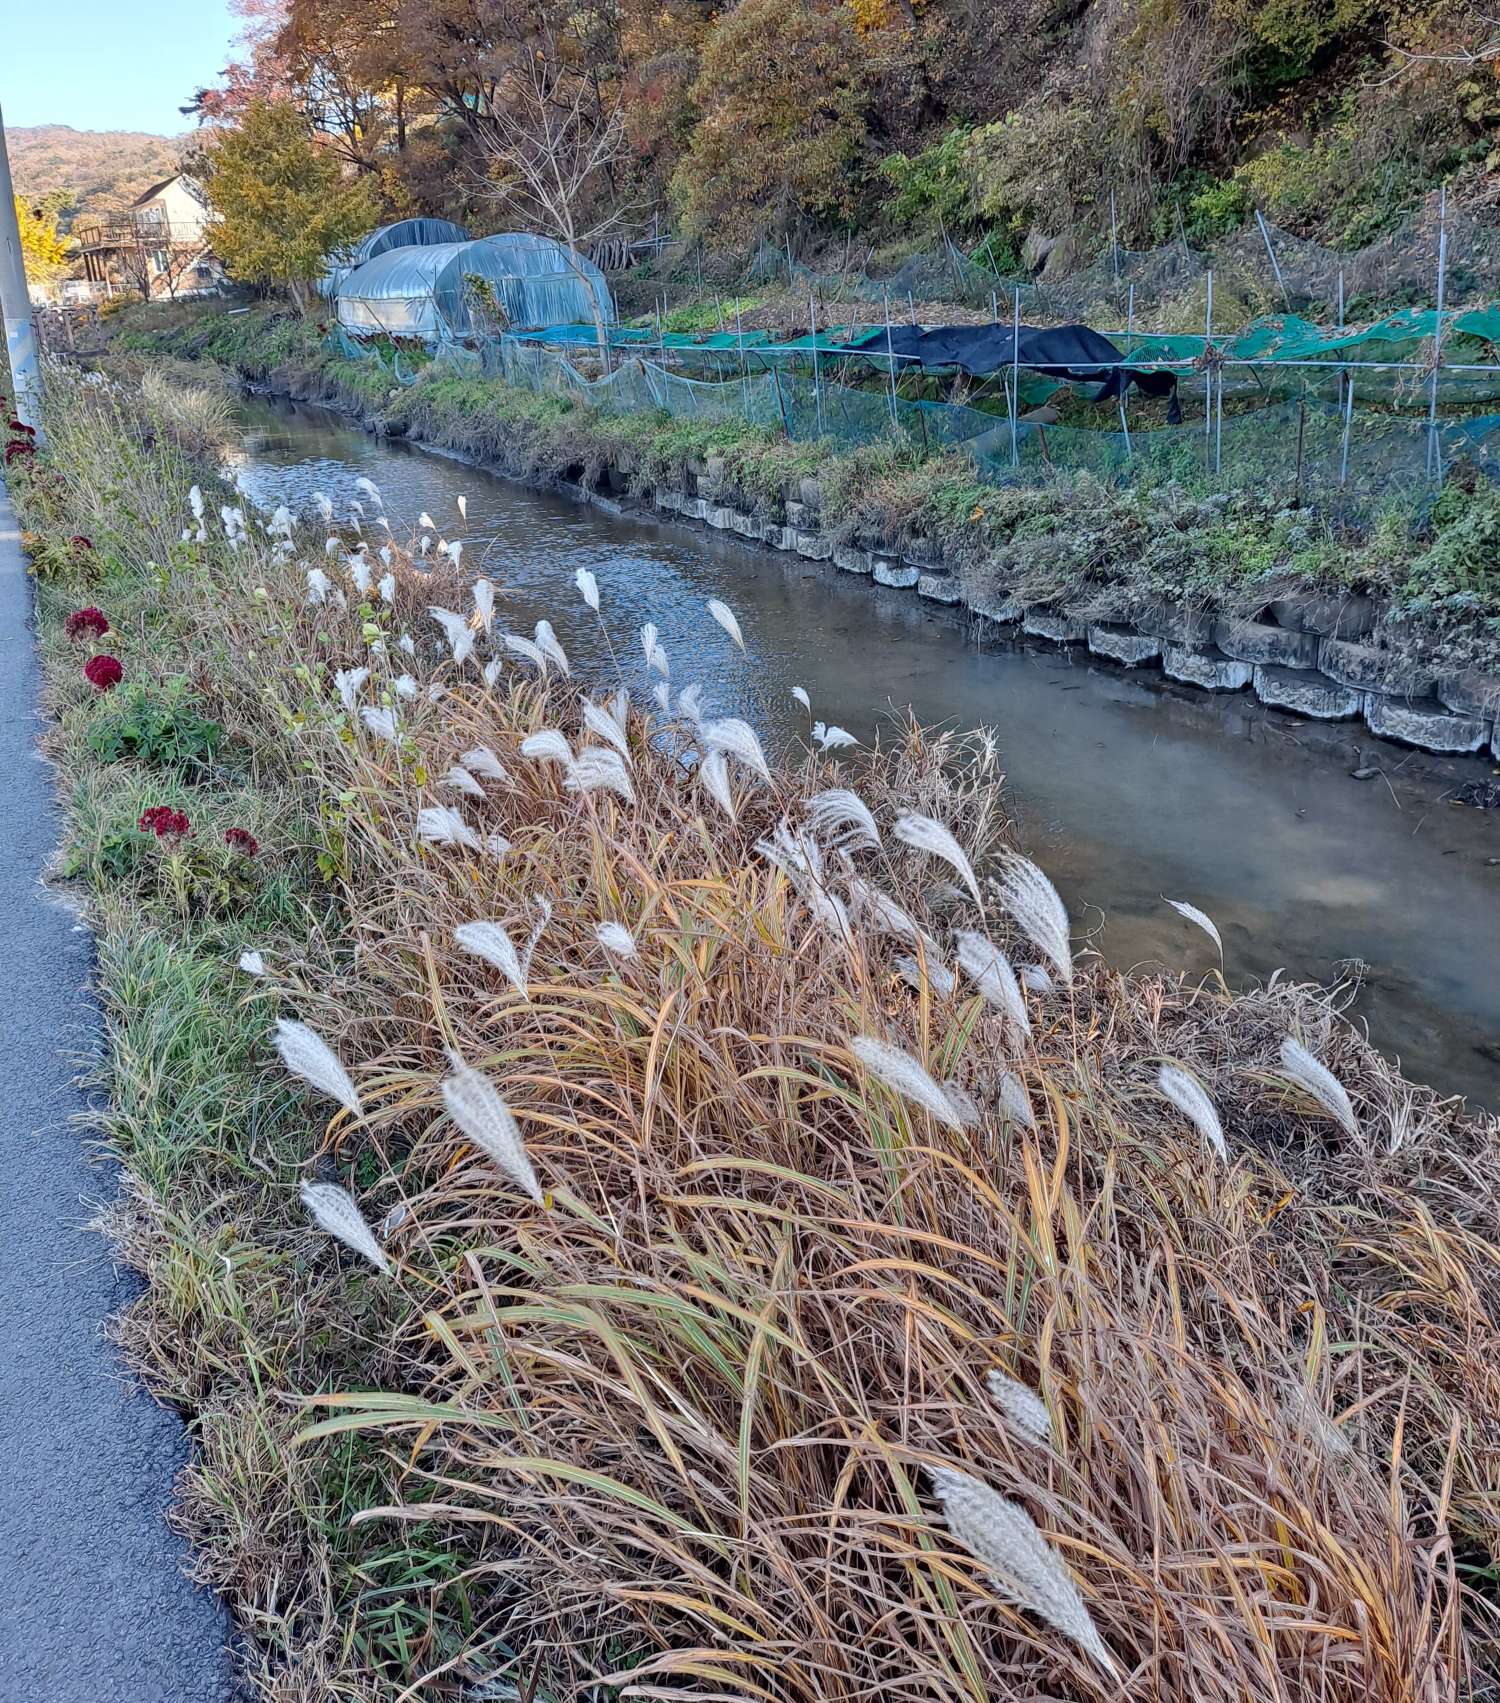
(1127, 793)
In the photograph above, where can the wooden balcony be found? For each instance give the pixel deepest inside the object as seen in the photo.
(96, 232)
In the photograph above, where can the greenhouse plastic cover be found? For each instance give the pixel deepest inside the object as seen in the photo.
(419, 291)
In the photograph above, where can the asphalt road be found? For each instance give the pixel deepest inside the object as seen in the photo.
(94, 1607)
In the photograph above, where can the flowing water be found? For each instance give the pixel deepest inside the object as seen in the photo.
(1126, 794)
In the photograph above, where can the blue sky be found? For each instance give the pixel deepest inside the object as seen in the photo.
(109, 64)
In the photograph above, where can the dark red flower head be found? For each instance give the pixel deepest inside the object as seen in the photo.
(20, 426)
(102, 672)
(165, 822)
(17, 449)
(241, 840)
(79, 542)
(88, 620)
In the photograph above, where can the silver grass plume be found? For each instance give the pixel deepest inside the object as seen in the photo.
(547, 746)
(939, 977)
(713, 776)
(1022, 1565)
(306, 1054)
(405, 686)
(441, 825)
(483, 592)
(1202, 919)
(460, 636)
(463, 509)
(325, 508)
(359, 573)
(387, 588)
(347, 682)
(656, 657)
(1298, 1065)
(901, 1073)
(1015, 1102)
(252, 963)
(604, 726)
(480, 760)
(619, 708)
(1024, 1409)
(546, 643)
(486, 1120)
(843, 813)
(533, 654)
(1039, 912)
(488, 940)
(407, 644)
(588, 588)
(1186, 1092)
(370, 489)
(737, 739)
(926, 834)
(459, 778)
(615, 937)
(989, 968)
(802, 698)
(1036, 978)
(827, 737)
(724, 615)
(381, 722)
(882, 911)
(334, 1211)
(599, 766)
(662, 692)
(492, 670)
(318, 585)
(690, 702)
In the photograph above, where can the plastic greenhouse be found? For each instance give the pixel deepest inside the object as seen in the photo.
(420, 292)
(404, 233)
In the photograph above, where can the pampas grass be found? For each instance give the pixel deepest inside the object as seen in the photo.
(844, 818)
(713, 777)
(347, 682)
(1021, 1564)
(927, 834)
(615, 937)
(1201, 919)
(901, 1073)
(334, 1210)
(528, 651)
(988, 967)
(252, 963)
(588, 588)
(605, 726)
(547, 745)
(737, 739)
(1038, 911)
(599, 768)
(489, 941)
(829, 738)
(724, 615)
(459, 778)
(442, 825)
(1024, 1409)
(479, 1112)
(381, 722)
(1187, 1094)
(1015, 1102)
(1299, 1066)
(481, 760)
(306, 1054)
(547, 644)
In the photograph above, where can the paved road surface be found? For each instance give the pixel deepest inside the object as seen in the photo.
(93, 1604)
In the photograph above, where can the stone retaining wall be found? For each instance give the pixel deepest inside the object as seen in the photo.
(1310, 656)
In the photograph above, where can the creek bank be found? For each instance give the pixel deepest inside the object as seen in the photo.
(1322, 657)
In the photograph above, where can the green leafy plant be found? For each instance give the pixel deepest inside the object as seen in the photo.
(157, 725)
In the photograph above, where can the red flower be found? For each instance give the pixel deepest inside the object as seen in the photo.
(79, 542)
(241, 840)
(83, 621)
(103, 672)
(20, 426)
(165, 822)
(17, 448)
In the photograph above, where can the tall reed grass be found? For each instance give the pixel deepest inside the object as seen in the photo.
(773, 1313)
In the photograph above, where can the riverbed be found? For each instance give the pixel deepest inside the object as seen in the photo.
(1126, 792)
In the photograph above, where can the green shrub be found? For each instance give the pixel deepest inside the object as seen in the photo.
(932, 189)
(156, 725)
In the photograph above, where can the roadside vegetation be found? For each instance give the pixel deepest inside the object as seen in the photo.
(630, 1214)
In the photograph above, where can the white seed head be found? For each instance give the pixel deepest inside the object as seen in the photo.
(1022, 1565)
(306, 1054)
(604, 726)
(724, 615)
(599, 767)
(1298, 1065)
(1039, 912)
(1024, 1409)
(480, 760)
(547, 746)
(380, 721)
(988, 967)
(442, 825)
(459, 778)
(479, 1112)
(901, 1073)
(347, 682)
(488, 940)
(843, 819)
(737, 739)
(1186, 1092)
(802, 698)
(588, 588)
(1015, 1102)
(334, 1211)
(252, 963)
(546, 643)
(1202, 919)
(615, 937)
(827, 737)
(926, 834)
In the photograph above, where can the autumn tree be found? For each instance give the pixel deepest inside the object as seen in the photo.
(44, 250)
(280, 205)
(782, 97)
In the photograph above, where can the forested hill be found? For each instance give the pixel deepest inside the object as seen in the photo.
(87, 170)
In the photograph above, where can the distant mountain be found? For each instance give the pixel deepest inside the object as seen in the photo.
(89, 170)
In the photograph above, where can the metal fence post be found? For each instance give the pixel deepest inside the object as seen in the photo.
(1434, 452)
(1015, 378)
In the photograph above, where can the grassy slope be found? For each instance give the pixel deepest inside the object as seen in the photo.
(1114, 550)
(764, 1289)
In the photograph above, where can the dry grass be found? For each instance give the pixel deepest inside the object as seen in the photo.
(670, 1432)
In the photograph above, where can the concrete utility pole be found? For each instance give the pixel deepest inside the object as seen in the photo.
(15, 305)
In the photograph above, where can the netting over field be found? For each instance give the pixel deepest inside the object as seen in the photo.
(1318, 446)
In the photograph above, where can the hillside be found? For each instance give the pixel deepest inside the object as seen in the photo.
(88, 170)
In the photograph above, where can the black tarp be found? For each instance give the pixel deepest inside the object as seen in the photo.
(1058, 351)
